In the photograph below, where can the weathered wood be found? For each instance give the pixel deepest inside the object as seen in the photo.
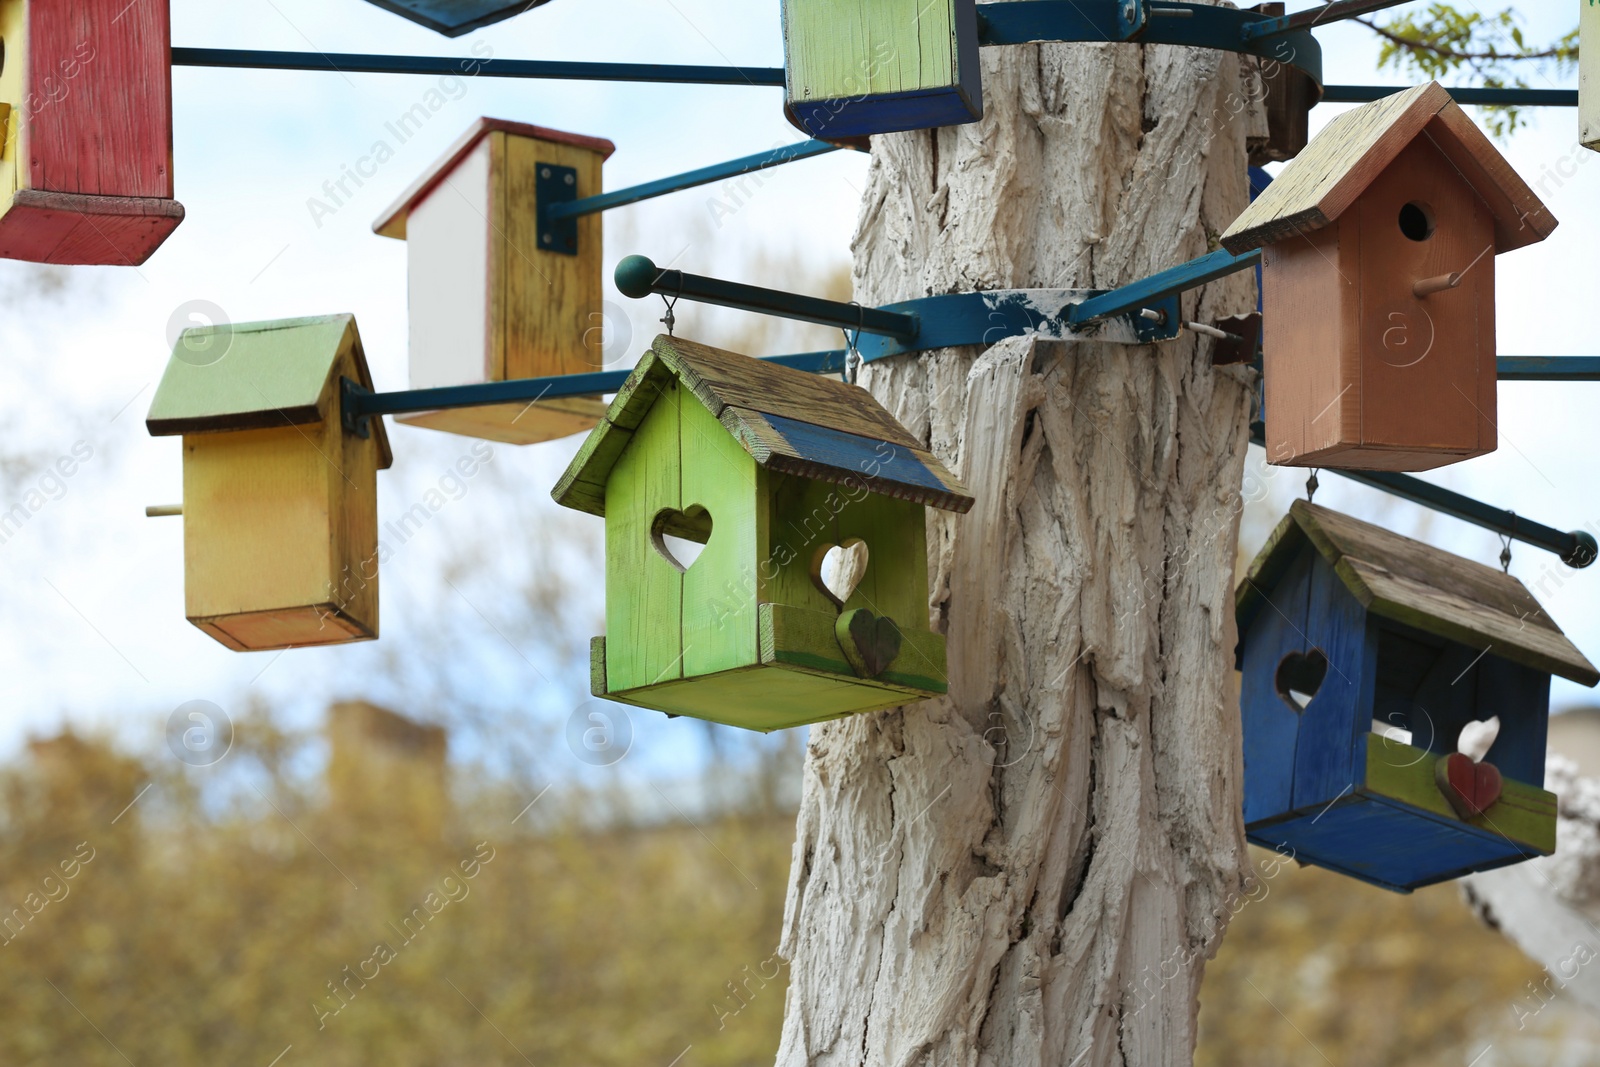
(1403, 579)
(88, 88)
(1334, 171)
(987, 878)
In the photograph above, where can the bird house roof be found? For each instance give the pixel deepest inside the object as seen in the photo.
(786, 419)
(259, 375)
(392, 223)
(454, 18)
(1321, 183)
(1397, 578)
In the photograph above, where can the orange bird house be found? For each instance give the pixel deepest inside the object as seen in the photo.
(1378, 257)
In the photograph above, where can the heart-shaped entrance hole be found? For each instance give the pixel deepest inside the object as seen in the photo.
(838, 569)
(1477, 738)
(1299, 676)
(680, 536)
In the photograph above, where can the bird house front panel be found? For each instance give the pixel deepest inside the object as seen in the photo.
(86, 169)
(1309, 291)
(855, 68)
(279, 548)
(1425, 340)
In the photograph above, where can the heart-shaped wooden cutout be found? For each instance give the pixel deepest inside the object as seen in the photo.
(870, 642)
(1471, 788)
(680, 536)
(1300, 675)
(838, 569)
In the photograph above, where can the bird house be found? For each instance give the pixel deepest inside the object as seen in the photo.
(453, 18)
(1378, 247)
(808, 599)
(496, 290)
(86, 116)
(1589, 75)
(280, 511)
(1287, 96)
(1376, 670)
(859, 67)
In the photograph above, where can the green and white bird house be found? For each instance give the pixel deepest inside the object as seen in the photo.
(803, 497)
(859, 67)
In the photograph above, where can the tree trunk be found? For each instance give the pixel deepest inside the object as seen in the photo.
(1033, 869)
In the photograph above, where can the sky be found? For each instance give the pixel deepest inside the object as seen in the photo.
(95, 633)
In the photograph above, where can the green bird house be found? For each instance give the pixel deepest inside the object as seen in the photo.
(280, 499)
(766, 555)
(853, 68)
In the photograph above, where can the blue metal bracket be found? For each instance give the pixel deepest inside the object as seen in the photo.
(1365, 94)
(689, 179)
(1336, 11)
(553, 185)
(1549, 368)
(1168, 283)
(1147, 22)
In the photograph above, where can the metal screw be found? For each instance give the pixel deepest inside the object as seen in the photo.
(571, 180)
(544, 172)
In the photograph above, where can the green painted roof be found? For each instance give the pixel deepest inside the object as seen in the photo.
(256, 375)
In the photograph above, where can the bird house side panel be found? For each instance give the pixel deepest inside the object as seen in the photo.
(448, 238)
(1271, 724)
(644, 591)
(258, 529)
(720, 624)
(353, 500)
(1330, 754)
(1309, 301)
(1428, 372)
(1589, 75)
(13, 94)
(1520, 696)
(808, 518)
(98, 104)
(551, 320)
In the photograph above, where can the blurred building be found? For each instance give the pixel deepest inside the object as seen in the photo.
(386, 771)
(1575, 734)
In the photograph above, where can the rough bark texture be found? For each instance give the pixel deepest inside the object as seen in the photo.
(1033, 869)
(1550, 907)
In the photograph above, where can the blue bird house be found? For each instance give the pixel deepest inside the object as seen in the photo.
(1375, 671)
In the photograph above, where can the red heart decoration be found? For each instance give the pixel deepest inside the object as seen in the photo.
(1471, 788)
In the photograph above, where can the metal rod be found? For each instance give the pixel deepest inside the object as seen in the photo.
(637, 277)
(1337, 11)
(1365, 94)
(360, 403)
(1549, 368)
(1143, 293)
(1576, 549)
(688, 180)
(469, 66)
(163, 511)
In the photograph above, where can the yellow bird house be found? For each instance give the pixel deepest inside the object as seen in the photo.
(497, 289)
(280, 512)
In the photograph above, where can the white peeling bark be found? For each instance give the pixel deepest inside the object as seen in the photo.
(1033, 869)
(1550, 907)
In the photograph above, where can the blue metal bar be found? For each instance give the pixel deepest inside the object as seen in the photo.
(1365, 94)
(1576, 549)
(1337, 11)
(468, 66)
(688, 180)
(1146, 291)
(637, 277)
(1549, 368)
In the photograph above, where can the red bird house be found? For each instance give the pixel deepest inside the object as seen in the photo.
(1378, 247)
(86, 108)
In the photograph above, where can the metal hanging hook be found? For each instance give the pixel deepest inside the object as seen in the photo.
(1312, 485)
(669, 318)
(852, 355)
(1505, 549)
